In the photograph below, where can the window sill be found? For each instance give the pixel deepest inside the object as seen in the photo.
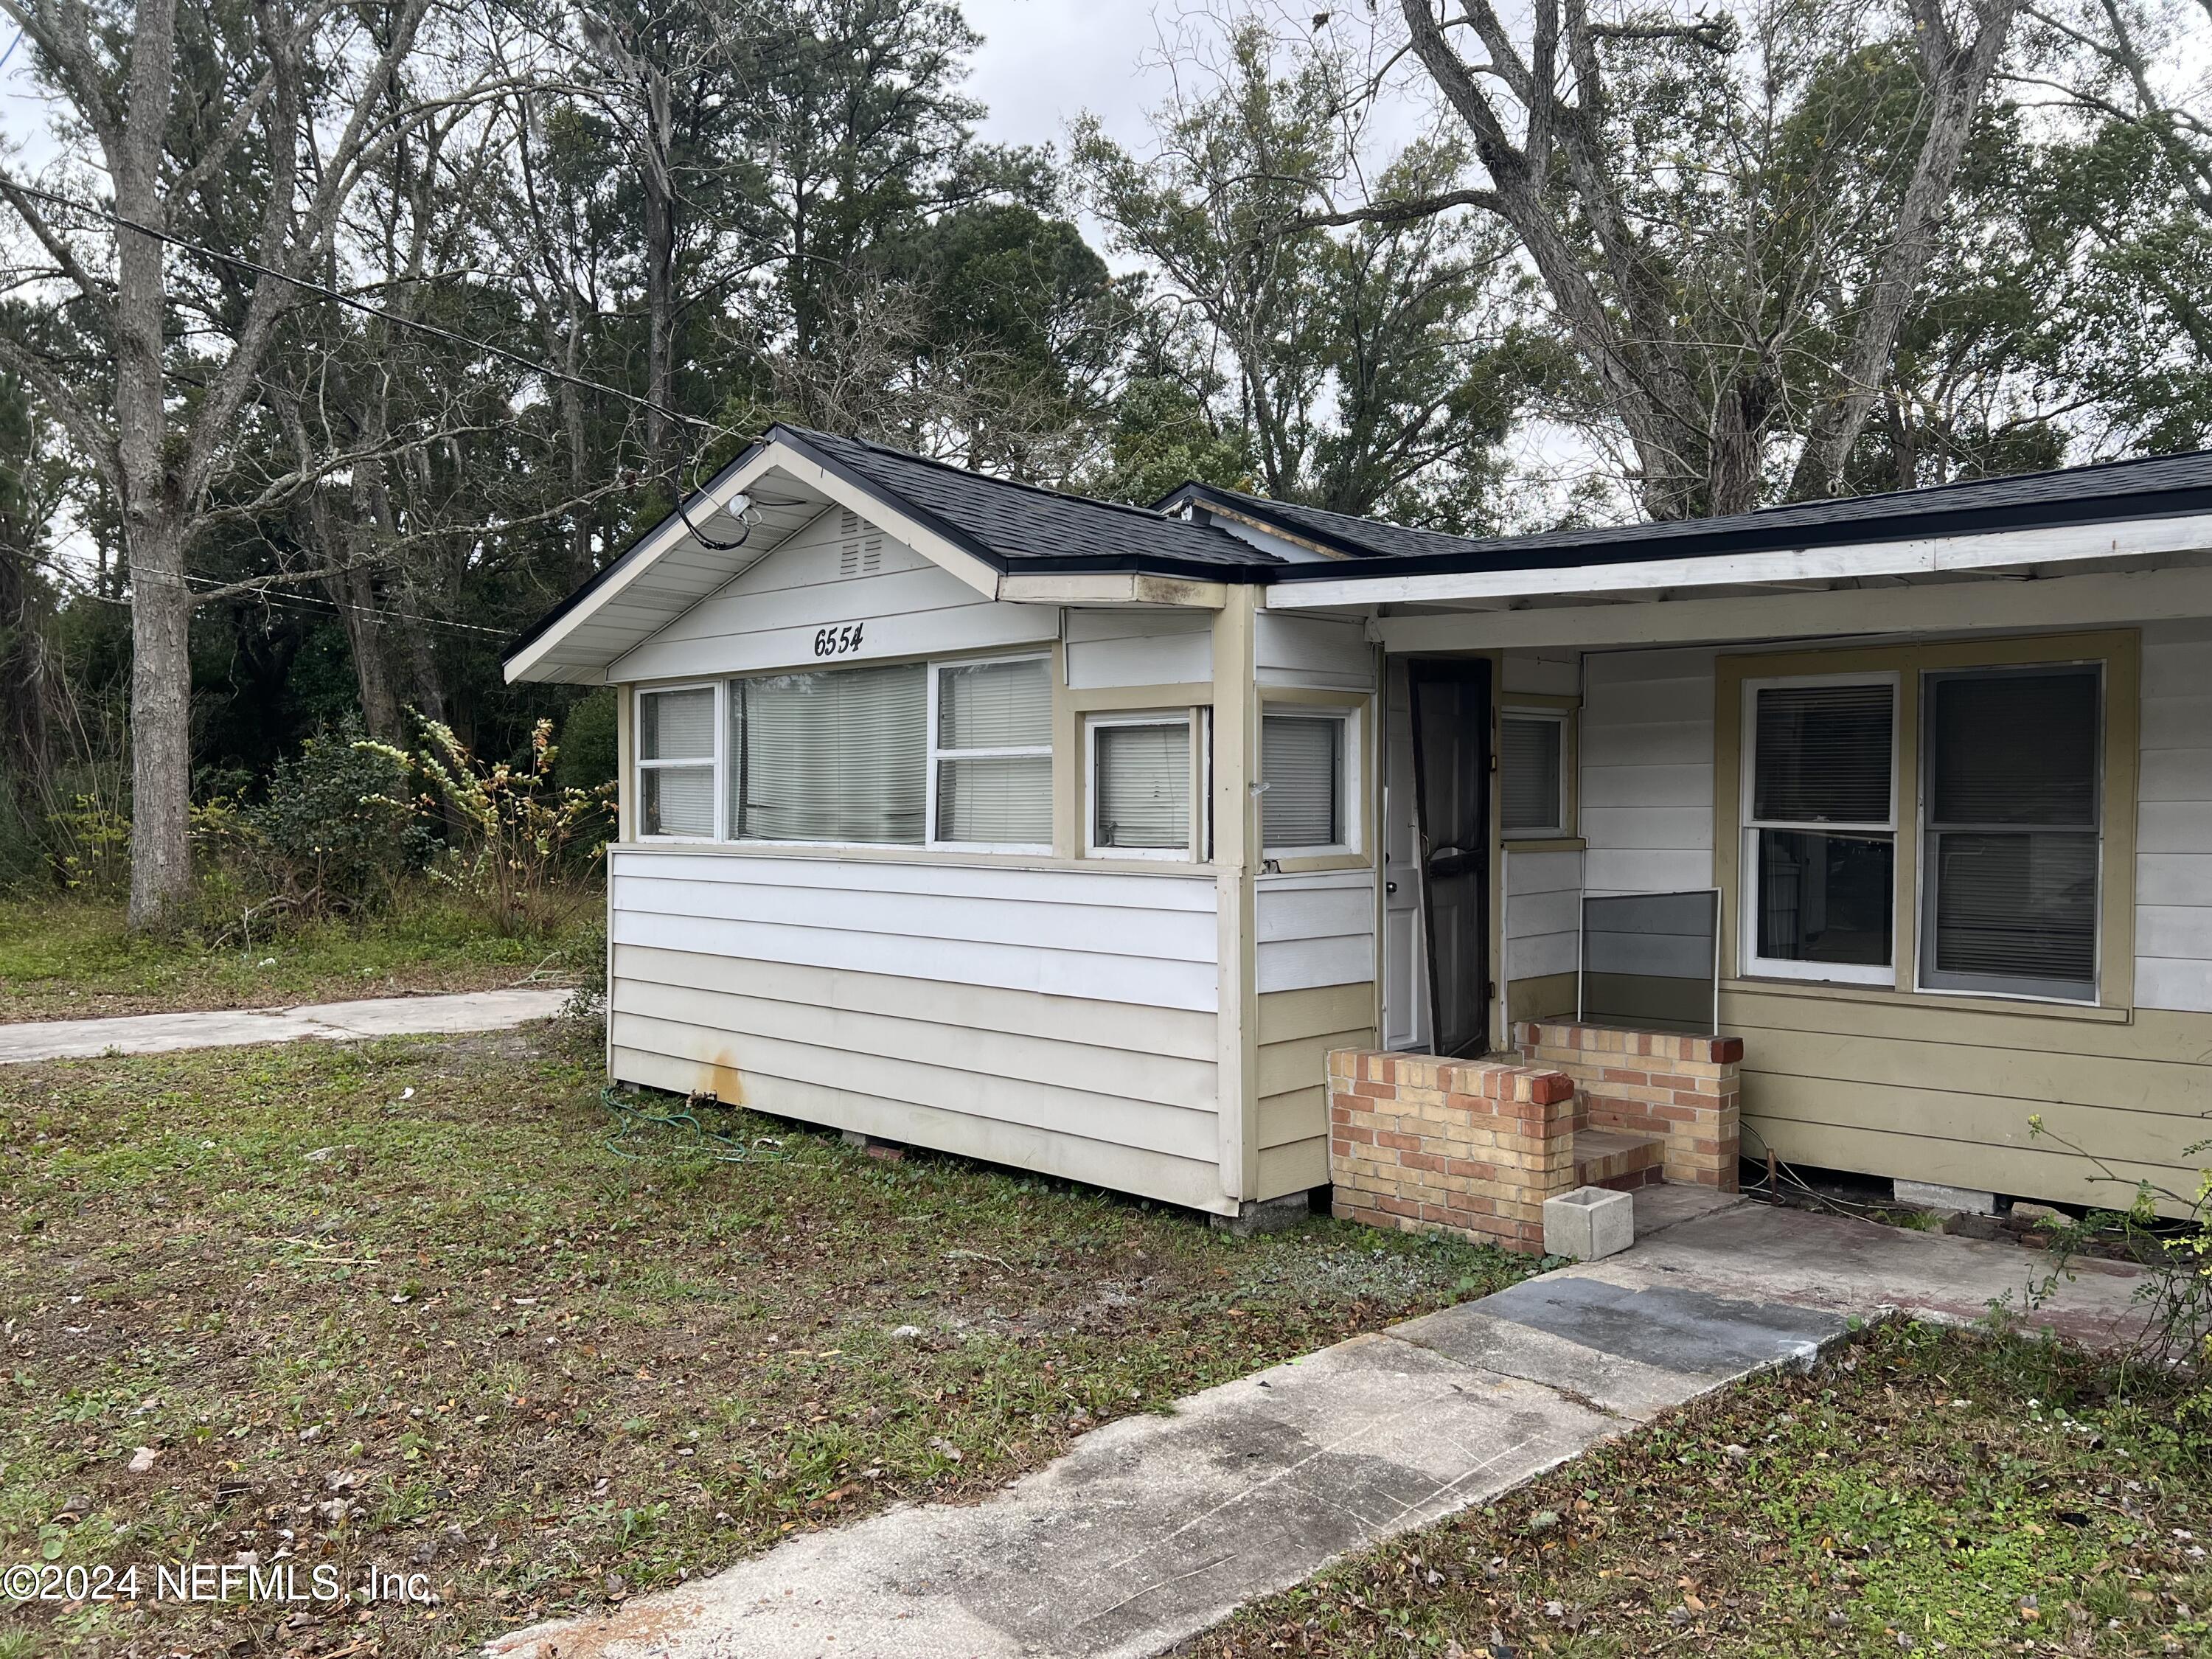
(1308, 863)
(1831, 991)
(850, 853)
(1545, 844)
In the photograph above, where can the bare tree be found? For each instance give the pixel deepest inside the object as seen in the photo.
(1724, 279)
(172, 102)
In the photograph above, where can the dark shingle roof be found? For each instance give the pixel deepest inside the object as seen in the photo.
(1023, 525)
(1340, 532)
(2151, 487)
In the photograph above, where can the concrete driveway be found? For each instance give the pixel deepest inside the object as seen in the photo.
(153, 1033)
(1152, 1528)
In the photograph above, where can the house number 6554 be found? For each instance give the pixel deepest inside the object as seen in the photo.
(837, 642)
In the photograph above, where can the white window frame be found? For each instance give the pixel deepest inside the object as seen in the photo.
(1043, 751)
(1758, 967)
(1557, 829)
(640, 765)
(729, 831)
(1347, 780)
(1200, 772)
(1926, 878)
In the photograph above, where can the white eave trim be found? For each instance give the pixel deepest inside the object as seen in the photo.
(1927, 556)
(774, 456)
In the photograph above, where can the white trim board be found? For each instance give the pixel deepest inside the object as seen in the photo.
(2052, 602)
(1921, 557)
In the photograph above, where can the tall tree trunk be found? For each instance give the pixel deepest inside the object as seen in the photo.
(354, 592)
(161, 727)
(659, 207)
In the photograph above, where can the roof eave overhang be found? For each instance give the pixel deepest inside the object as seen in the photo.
(1565, 577)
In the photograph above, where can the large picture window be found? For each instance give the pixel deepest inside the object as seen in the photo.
(2011, 765)
(1820, 834)
(676, 762)
(837, 756)
(1303, 762)
(992, 753)
(1140, 785)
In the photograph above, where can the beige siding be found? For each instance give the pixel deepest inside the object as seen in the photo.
(1049, 1017)
(2173, 830)
(1647, 771)
(838, 570)
(1944, 1093)
(1297, 1031)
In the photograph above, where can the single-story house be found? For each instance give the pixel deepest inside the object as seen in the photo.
(1074, 837)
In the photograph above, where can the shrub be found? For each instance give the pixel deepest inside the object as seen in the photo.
(517, 832)
(337, 825)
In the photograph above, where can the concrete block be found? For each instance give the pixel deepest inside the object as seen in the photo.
(1588, 1223)
(1931, 1195)
(1273, 1215)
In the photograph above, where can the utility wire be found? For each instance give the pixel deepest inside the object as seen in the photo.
(338, 297)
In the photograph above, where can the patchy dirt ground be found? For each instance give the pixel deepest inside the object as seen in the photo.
(1934, 1492)
(402, 1306)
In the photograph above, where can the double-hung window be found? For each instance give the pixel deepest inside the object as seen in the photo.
(676, 762)
(1532, 765)
(838, 755)
(2011, 766)
(991, 754)
(1142, 787)
(1821, 836)
(1304, 763)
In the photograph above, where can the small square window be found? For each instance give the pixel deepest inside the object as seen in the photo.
(1532, 764)
(1141, 787)
(1302, 762)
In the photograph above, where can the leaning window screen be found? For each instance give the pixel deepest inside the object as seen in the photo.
(2012, 827)
(840, 756)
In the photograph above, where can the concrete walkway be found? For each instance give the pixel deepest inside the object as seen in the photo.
(1152, 1528)
(153, 1033)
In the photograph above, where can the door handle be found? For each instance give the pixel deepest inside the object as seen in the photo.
(1390, 887)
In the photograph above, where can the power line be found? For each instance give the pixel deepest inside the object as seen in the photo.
(337, 296)
(269, 596)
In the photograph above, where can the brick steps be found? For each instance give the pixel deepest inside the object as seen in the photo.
(1619, 1158)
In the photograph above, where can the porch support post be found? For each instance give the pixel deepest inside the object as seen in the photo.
(1236, 858)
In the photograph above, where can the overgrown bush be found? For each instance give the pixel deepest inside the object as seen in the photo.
(518, 835)
(336, 820)
(2169, 1235)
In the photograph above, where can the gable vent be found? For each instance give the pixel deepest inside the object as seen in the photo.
(861, 549)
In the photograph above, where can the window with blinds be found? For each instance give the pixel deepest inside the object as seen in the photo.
(1820, 853)
(1141, 788)
(836, 756)
(676, 762)
(1532, 774)
(1301, 763)
(991, 750)
(2012, 761)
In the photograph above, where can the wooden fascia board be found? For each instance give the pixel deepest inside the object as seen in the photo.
(1921, 556)
(1112, 588)
(2087, 600)
(1276, 527)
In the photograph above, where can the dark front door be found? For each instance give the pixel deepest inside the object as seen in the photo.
(1451, 795)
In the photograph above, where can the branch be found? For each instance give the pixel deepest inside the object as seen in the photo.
(1402, 211)
(97, 443)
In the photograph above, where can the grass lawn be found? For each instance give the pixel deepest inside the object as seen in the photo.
(399, 1304)
(71, 959)
(1933, 1492)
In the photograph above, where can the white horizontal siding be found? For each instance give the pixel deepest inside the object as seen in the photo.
(1128, 647)
(1315, 929)
(1647, 771)
(1320, 652)
(1543, 912)
(2174, 824)
(768, 617)
(1056, 1019)
(1104, 936)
